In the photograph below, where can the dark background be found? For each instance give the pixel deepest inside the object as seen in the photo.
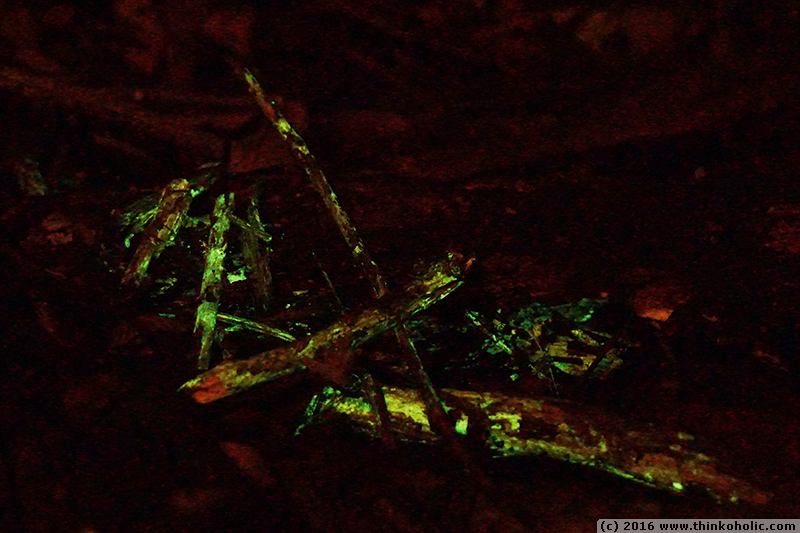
(575, 151)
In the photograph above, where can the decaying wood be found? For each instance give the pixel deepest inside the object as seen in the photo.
(256, 253)
(166, 220)
(211, 288)
(329, 352)
(512, 426)
(320, 184)
(252, 325)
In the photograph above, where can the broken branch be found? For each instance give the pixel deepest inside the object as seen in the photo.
(512, 426)
(329, 352)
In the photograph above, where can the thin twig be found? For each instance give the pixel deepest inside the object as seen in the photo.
(320, 183)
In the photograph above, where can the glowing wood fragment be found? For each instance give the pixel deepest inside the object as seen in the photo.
(211, 288)
(564, 431)
(328, 353)
(320, 183)
(164, 224)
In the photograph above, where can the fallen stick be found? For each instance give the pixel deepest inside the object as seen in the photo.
(320, 183)
(329, 352)
(511, 426)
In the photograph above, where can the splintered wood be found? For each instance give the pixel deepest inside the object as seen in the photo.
(328, 353)
(165, 221)
(511, 426)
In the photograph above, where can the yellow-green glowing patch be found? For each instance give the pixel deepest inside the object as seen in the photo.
(509, 422)
(602, 446)
(462, 424)
(352, 406)
(407, 403)
(239, 275)
(284, 126)
(206, 315)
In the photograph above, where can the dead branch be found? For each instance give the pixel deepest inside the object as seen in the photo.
(561, 430)
(328, 353)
